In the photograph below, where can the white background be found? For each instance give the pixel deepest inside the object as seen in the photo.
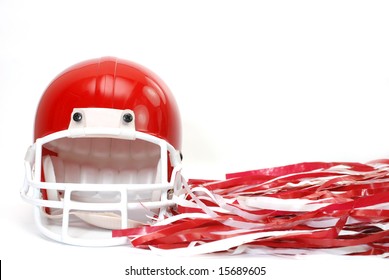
(259, 84)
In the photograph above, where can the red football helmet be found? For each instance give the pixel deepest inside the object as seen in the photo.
(106, 152)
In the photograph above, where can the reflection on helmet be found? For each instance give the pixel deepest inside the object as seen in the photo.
(106, 152)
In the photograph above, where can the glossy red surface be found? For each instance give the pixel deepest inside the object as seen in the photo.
(110, 83)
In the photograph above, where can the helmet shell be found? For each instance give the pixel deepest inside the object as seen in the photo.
(110, 83)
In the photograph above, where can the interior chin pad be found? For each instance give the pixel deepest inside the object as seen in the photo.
(57, 170)
(102, 161)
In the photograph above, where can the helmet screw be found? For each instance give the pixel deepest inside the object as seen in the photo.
(77, 117)
(127, 118)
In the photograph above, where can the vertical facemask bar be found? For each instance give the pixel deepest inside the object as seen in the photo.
(38, 161)
(164, 161)
(164, 179)
(124, 208)
(66, 215)
(37, 165)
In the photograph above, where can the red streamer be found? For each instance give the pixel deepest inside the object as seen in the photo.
(305, 206)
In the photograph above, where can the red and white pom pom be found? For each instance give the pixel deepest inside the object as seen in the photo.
(339, 208)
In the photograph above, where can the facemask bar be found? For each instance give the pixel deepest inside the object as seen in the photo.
(32, 189)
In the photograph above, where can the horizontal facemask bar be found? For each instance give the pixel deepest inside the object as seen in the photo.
(69, 188)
